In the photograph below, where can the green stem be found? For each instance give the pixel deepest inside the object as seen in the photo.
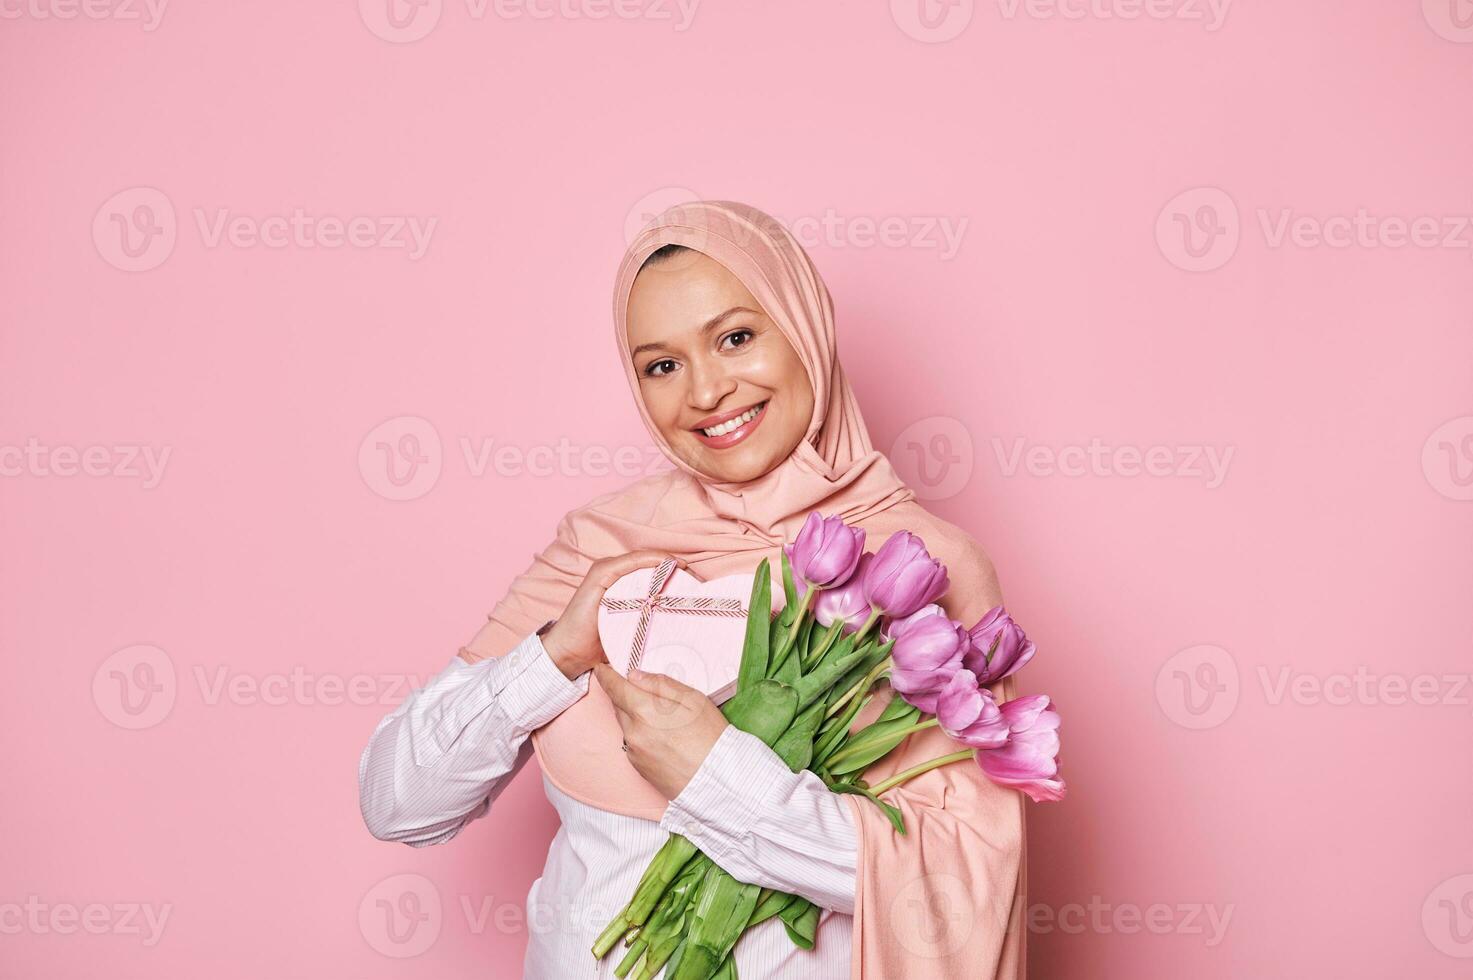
(915, 771)
(900, 733)
(832, 634)
(861, 685)
(874, 617)
(781, 654)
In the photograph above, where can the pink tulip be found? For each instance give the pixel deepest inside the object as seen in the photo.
(1028, 761)
(845, 602)
(903, 577)
(968, 713)
(826, 551)
(999, 647)
(895, 627)
(928, 651)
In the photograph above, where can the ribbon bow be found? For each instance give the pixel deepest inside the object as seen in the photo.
(690, 605)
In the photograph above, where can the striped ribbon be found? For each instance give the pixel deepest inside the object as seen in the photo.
(688, 605)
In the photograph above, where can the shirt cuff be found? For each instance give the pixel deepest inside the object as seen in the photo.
(716, 808)
(538, 691)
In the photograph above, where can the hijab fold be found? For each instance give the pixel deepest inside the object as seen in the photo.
(947, 899)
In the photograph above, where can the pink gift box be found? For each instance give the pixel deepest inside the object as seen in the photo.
(664, 620)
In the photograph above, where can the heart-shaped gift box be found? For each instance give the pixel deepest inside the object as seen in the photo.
(664, 620)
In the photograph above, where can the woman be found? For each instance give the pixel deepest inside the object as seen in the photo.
(726, 334)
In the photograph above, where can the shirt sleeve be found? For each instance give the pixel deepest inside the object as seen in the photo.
(444, 754)
(767, 825)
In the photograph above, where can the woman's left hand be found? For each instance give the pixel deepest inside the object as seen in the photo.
(668, 726)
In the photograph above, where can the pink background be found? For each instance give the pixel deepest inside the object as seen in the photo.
(1328, 824)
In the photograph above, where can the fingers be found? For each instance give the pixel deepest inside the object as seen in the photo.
(625, 696)
(663, 685)
(606, 571)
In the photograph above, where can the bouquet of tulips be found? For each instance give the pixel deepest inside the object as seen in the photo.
(851, 619)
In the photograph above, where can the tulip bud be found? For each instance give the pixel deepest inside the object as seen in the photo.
(969, 714)
(1028, 762)
(826, 551)
(903, 576)
(926, 654)
(846, 602)
(999, 647)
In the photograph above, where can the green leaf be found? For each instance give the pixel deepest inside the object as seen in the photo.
(719, 915)
(804, 642)
(898, 708)
(795, 747)
(790, 591)
(820, 679)
(800, 918)
(873, 742)
(897, 819)
(759, 623)
(770, 903)
(829, 742)
(765, 709)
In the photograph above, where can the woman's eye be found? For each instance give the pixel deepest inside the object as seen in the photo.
(650, 369)
(743, 333)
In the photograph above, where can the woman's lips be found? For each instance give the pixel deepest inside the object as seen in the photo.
(729, 439)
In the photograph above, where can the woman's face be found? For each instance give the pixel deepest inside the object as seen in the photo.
(707, 358)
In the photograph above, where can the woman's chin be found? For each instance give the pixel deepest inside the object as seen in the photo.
(735, 465)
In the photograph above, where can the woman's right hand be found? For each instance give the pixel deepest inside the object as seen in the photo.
(573, 642)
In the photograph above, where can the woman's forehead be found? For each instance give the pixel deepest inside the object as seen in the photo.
(679, 301)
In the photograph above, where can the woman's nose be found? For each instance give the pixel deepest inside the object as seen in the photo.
(708, 385)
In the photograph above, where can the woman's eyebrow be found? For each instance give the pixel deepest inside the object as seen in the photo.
(707, 327)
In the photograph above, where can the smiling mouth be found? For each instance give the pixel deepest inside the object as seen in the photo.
(733, 430)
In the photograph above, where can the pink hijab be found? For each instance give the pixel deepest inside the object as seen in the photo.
(946, 900)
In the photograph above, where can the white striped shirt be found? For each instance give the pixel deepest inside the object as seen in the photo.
(443, 756)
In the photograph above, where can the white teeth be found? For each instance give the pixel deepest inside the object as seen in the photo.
(736, 423)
